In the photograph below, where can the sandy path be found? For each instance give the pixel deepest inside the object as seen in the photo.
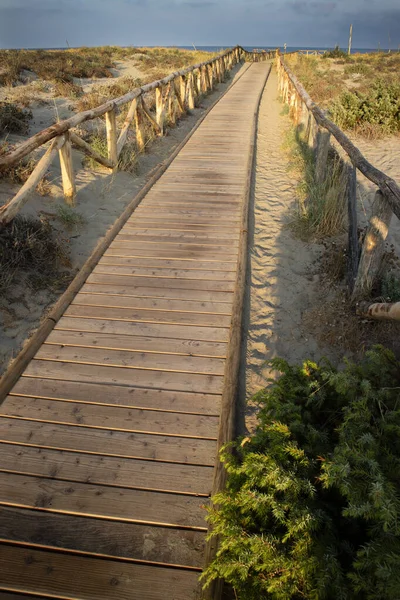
(280, 276)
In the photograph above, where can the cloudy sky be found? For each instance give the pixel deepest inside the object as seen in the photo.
(311, 23)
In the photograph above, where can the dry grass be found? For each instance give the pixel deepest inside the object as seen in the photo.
(33, 247)
(103, 93)
(13, 119)
(321, 206)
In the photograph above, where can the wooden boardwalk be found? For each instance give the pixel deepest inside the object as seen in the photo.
(108, 440)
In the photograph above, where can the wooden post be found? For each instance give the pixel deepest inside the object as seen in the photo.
(111, 129)
(191, 100)
(182, 92)
(350, 39)
(67, 170)
(373, 247)
(171, 103)
(160, 109)
(139, 125)
(322, 150)
(124, 131)
(353, 246)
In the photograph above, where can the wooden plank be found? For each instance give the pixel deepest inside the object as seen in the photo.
(110, 417)
(163, 304)
(169, 253)
(65, 575)
(133, 360)
(165, 273)
(157, 293)
(129, 397)
(209, 243)
(158, 282)
(65, 465)
(147, 315)
(120, 504)
(130, 541)
(198, 237)
(109, 443)
(172, 226)
(136, 343)
(164, 380)
(158, 330)
(165, 263)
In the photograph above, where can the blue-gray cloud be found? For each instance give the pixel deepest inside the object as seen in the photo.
(48, 23)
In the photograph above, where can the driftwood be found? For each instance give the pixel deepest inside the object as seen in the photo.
(381, 311)
(10, 210)
(373, 247)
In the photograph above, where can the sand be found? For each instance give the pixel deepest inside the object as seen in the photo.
(282, 283)
(101, 199)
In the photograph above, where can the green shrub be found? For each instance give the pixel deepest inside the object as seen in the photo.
(390, 287)
(312, 507)
(337, 52)
(380, 107)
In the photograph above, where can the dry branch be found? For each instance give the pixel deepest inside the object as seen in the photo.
(8, 212)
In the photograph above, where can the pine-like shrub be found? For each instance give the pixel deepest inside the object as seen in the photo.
(379, 107)
(311, 508)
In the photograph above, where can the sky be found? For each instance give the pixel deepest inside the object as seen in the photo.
(304, 23)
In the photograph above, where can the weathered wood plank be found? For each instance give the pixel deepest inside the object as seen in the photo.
(69, 466)
(135, 291)
(165, 273)
(24, 569)
(123, 540)
(134, 360)
(110, 417)
(109, 443)
(155, 330)
(129, 397)
(159, 282)
(131, 506)
(164, 380)
(146, 315)
(137, 343)
(166, 304)
(168, 263)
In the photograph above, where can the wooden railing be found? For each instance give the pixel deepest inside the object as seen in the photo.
(174, 95)
(318, 128)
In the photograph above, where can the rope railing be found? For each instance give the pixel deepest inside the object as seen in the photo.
(364, 266)
(175, 94)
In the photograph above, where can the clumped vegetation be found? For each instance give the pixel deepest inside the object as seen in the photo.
(103, 93)
(312, 505)
(55, 65)
(360, 91)
(69, 217)
(321, 206)
(337, 52)
(13, 119)
(32, 247)
(379, 107)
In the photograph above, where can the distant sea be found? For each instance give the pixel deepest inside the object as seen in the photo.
(250, 48)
